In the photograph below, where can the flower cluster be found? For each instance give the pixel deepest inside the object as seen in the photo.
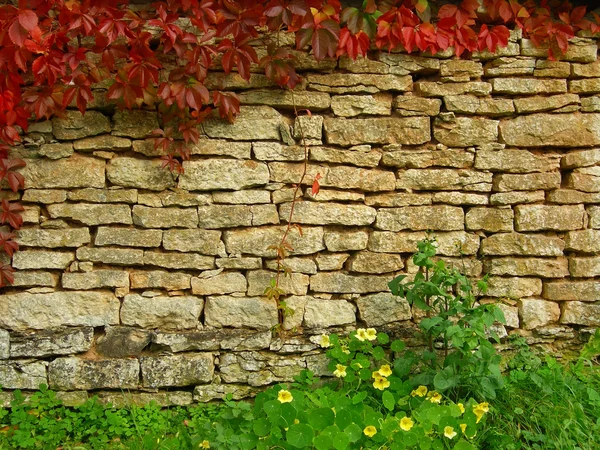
(369, 334)
(480, 409)
(381, 382)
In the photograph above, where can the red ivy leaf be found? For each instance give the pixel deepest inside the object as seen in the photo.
(7, 243)
(10, 214)
(6, 275)
(28, 19)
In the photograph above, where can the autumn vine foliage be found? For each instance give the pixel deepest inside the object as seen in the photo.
(54, 52)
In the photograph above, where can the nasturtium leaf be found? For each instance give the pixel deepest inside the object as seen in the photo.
(248, 441)
(287, 415)
(300, 435)
(353, 432)
(359, 397)
(323, 442)
(272, 408)
(343, 419)
(341, 441)
(388, 400)
(321, 418)
(378, 353)
(398, 345)
(464, 445)
(383, 338)
(261, 427)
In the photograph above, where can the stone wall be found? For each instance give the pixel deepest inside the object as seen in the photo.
(132, 279)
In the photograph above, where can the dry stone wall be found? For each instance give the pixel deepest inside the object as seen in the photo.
(132, 279)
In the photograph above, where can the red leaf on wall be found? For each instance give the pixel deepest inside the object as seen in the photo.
(10, 214)
(7, 243)
(6, 275)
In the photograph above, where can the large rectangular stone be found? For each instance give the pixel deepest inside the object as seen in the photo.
(552, 130)
(537, 267)
(491, 220)
(328, 214)
(179, 260)
(113, 256)
(336, 282)
(545, 103)
(580, 158)
(187, 369)
(95, 279)
(579, 313)
(583, 291)
(286, 99)
(453, 243)
(161, 312)
(128, 237)
(512, 244)
(160, 279)
(470, 104)
(74, 125)
(291, 284)
(74, 172)
(508, 182)
(444, 180)
(367, 158)
(437, 89)
(206, 242)
(139, 173)
(436, 217)
(79, 374)
(405, 131)
(262, 241)
(254, 123)
(217, 174)
(92, 195)
(34, 278)
(584, 267)
(221, 283)
(584, 241)
(421, 159)
(549, 217)
(241, 312)
(23, 375)
(40, 259)
(514, 287)
(580, 50)
(165, 217)
(46, 343)
(231, 216)
(527, 86)
(355, 105)
(465, 131)
(70, 237)
(515, 161)
(346, 83)
(91, 213)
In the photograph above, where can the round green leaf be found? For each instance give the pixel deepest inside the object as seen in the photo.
(378, 353)
(359, 397)
(383, 338)
(323, 442)
(341, 441)
(343, 418)
(321, 418)
(353, 432)
(272, 408)
(248, 441)
(397, 345)
(300, 435)
(261, 427)
(388, 400)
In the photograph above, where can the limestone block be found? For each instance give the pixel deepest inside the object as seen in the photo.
(76, 171)
(489, 219)
(254, 123)
(177, 260)
(22, 375)
(535, 313)
(579, 313)
(580, 158)
(549, 217)
(444, 179)
(45, 196)
(275, 151)
(416, 106)
(590, 104)
(73, 373)
(355, 105)
(356, 158)
(465, 131)
(62, 341)
(230, 216)
(39, 259)
(586, 179)
(514, 287)
(512, 244)
(336, 282)
(35, 237)
(583, 291)
(552, 69)
(552, 130)
(207, 340)
(437, 89)
(453, 243)
(369, 180)
(259, 369)
(127, 237)
(580, 50)
(362, 65)
(328, 214)
(259, 241)
(161, 312)
(55, 309)
(239, 263)
(586, 86)
(332, 261)
(383, 308)
(294, 283)
(404, 64)
(240, 312)
(4, 344)
(512, 49)
(146, 217)
(470, 104)
(509, 67)
(516, 161)
(104, 142)
(591, 70)
(285, 99)
(177, 370)
(528, 182)
(103, 195)
(370, 262)
(516, 197)
(115, 256)
(141, 399)
(92, 214)
(545, 103)
(594, 216)
(136, 124)
(461, 67)
(233, 80)
(308, 127)
(208, 392)
(320, 313)
(217, 174)
(220, 147)
(460, 198)
(56, 151)
(571, 197)
(222, 283)
(299, 265)
(245, 197)
(346, 83)
(139, 173)
(96, 279)
(538, 267)
(75, 125)
(405, 131)
(160, 279)
(339, 241)
(527, 86)
(121, 342)
(436, 217)
(584, 267)
(398, 199)
(584, 241)
(35, 278)
(420, 159)
(193, 240)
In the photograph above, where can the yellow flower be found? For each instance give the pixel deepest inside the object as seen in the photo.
(463, 427)
(284, 396)
(370, 431)
(371, 334)
(345, 349)
(296, 421)
(340, 371)
(419, 392)
(449, 432)
(485, 406)
(385, 370)
(361, 334)
(376, 374)
(461, 407)
(324, 342)
(205, 444)
(434, 397)
(480, 409)
(381, 383)
(406, 423)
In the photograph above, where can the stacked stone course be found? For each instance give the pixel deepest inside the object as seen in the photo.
(130, 278)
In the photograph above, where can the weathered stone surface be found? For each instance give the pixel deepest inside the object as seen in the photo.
(379, 309)
(179, 260)
(549, 217)
(233, 80)
(590, 104)
(337, 241)
(461, 67)
(165, 217)
(581, 314)
(552, 69)
(369, 262)
(527, 86)
(354, 157)
(470, 104)
(35, 278)
(398, 199)
(209, 340)
(460, 198)
(320, 313)
(122, 342)
(285, 99)
(222, 283)
(331, 261)
(583, 291)
(56, 151)
(538, 267)
(92, 214)
(128, 237)
(509, 67)
(437, 89)
(404, 64)
(416, 106)
(73, 373)
(64, 173)
(103, 195)
(405, 131)
(489, 219)
(535, 313)
(135, 123)
(299, 265)
(309, 128)
(104, 142)
(240, 312)
(514, 287)
(594, 216)
(512, 49)
(260, 369)
(159, 279)
(552, 130)
(46, 343)
(580, 50)
(363, 65)
(465, 131)
(75, 125)
(39, 259)
(22, 375)
(116, 256)
(275, 151)
(584, 241)
(239, 150)
(256, 241)
(254, 123)
(436, 217)
(336, 282)
(193, 240)
(528, 182)
(545, 103)
(217, 174)
(453, 243)
(571, 197)
(586, 179)
(209, 392)
(355, 105)
(420, 159)
(515, 161)
(230, 216)
(176, 313)
(71, 237)
(96, 279)
(239, 263)
(141, 399)
(45, 196)
(509, 244)
(139, 173)
(587, 86)
(55, 309)
(586, 70)
(444, 179)
(245, 197)
(4, 344)
(581, 158)
(259, 280)
(328, 214)
(584, 267)
(177, 370)
(345, 83)
(516, 197)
